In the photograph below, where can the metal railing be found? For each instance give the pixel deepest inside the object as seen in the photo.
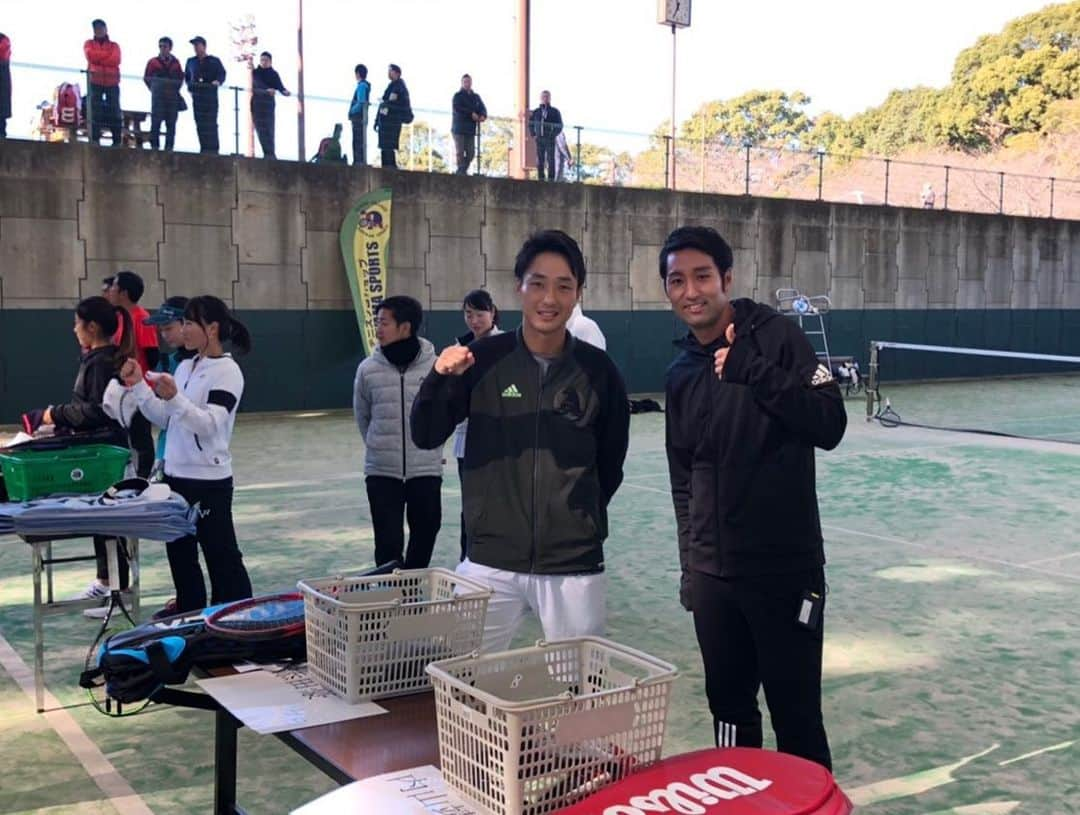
(615, 157)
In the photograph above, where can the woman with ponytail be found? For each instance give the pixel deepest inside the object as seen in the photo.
(198, 406)
(96, 323)
(482, 319)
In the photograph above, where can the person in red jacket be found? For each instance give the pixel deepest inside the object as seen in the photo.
(103, 67)
(5, 84)
(163, 76)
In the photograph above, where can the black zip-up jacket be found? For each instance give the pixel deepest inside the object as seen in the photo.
(543, 455)
(545, 125)
(465, 104)
(85, 412)
(741, 449)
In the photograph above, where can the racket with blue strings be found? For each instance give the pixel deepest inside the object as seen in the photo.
(271, 616)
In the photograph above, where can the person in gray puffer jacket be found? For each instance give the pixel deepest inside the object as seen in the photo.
(403, 481)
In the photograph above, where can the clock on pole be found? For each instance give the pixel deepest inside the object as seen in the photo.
(674, 13)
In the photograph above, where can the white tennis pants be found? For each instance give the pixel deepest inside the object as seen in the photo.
(568, 606)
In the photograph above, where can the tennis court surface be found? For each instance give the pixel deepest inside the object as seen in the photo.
(951, 661)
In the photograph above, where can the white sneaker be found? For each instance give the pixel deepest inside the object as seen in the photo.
(96, 613)
(95, 591)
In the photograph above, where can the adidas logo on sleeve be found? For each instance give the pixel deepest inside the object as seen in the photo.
(511, 392)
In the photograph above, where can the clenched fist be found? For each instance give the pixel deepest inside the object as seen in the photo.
(130, 373)
(454, 361)
(165, 386)
(721, 353)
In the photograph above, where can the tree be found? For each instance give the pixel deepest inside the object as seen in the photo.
(496, 141)
(833, 134)
(906, 118)
(1005, 83)
(423, 148)
(757, 117)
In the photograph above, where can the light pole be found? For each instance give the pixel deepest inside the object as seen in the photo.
(244, 41)
(300, 146)
(674, 13)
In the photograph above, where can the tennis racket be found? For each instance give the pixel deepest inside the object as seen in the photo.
(272, 616)
(117, 621)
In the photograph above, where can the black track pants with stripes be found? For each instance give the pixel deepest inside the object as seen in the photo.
(749, 637)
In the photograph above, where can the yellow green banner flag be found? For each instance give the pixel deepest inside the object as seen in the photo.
(365, 248)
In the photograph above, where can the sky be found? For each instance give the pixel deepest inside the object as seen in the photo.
(607, 63)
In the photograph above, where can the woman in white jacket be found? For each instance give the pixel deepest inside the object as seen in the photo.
(482, 318)
(198, 405)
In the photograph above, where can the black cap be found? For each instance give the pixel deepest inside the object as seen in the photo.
(171, 311)
(198, 40)
(394, 67)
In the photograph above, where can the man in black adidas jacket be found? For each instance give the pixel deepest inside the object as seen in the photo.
(548, 431)
(747, 403)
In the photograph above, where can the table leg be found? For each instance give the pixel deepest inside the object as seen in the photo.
(39, 631)
(225, 729)
(48, 571)
(133, 558)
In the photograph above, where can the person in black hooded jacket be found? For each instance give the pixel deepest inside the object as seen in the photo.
(96, 323)
(747, 403)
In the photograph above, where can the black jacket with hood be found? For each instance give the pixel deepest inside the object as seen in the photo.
(544, 453)
(84, 413)
(741, 449)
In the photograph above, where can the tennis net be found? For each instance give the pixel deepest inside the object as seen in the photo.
(974, 390)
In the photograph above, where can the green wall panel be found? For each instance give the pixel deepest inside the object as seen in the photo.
(304, 360)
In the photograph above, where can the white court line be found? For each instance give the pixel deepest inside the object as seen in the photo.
(1051, 559)
(946, 553)
(1053, 748)
(916, 544)
(101, 771)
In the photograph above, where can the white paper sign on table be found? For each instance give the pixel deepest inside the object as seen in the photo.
(419, 791)
(273, 701)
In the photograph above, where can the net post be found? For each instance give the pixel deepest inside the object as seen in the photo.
(872, 382)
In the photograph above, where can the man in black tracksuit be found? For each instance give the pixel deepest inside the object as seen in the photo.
(747, 403)
(548, 431)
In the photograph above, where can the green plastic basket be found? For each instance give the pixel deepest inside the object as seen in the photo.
(86, 469)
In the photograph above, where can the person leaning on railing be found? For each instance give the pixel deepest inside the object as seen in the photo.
(164, 76)
(469, 113)
(265, 82)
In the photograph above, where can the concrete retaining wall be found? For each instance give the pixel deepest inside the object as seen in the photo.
(263, 235)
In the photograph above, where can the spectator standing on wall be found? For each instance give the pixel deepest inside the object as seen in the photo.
(103, 69)
(469, 112)
(265, 82)
(164, 76)
(358, 114)
(5, 84)
(927, 196)
(563, 159)
(403, 481)
(545, 124)
(394, 111)
(204, 75)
